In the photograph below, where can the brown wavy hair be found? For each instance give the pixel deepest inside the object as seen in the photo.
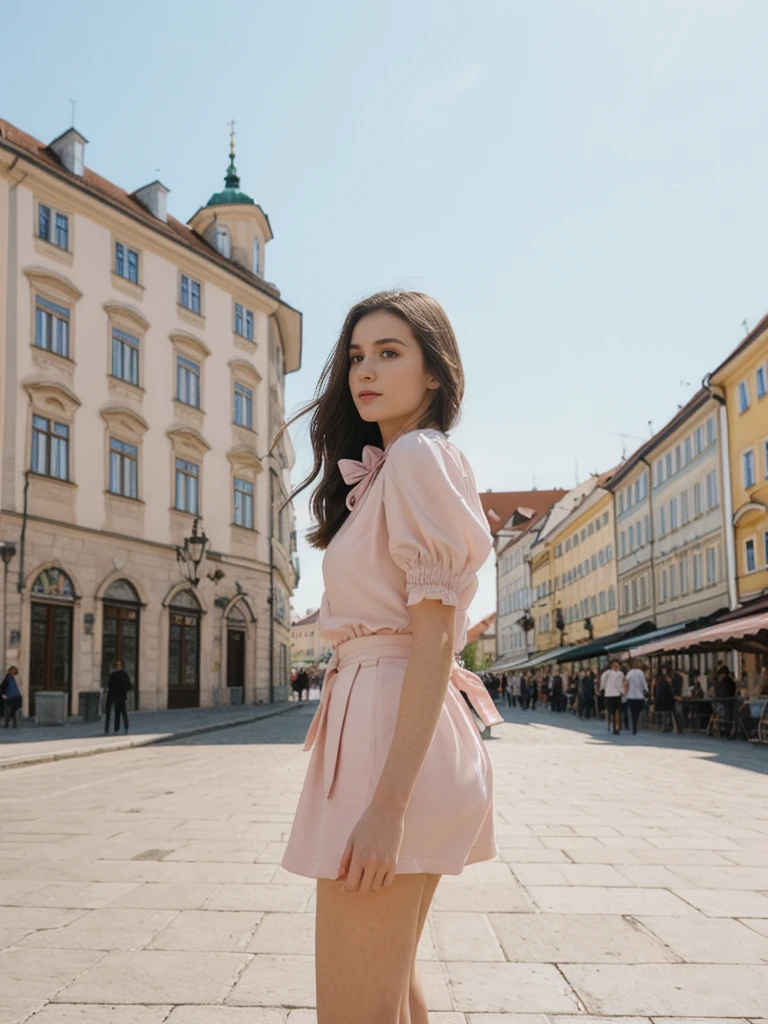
(337, 431)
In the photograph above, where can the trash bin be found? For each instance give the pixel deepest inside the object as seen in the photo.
(235, 695)
(50, 707)
(89, 706)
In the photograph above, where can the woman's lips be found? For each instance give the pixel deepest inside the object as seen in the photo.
(367, 396)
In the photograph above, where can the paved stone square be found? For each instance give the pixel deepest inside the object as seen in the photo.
(143, 886)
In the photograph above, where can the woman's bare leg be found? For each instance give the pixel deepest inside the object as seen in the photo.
(365, 947)
(413, 1009)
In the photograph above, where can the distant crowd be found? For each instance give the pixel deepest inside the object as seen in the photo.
(625, 690)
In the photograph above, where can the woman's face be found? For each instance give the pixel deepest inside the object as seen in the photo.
(386, 363)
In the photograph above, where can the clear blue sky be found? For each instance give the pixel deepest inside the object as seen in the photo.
(582, 183)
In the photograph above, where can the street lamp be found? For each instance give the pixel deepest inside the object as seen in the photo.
(7, 551)
(191, 555)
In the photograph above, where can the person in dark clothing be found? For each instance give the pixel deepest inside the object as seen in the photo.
(117, 692)
(302, 684)
(725, 691)
(664, 701)
(10, 694)
(586, 695)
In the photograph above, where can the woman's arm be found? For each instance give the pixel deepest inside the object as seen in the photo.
(370, 857)
(421, 701)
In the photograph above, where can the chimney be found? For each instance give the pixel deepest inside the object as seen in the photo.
(153, 197)
(70, 149)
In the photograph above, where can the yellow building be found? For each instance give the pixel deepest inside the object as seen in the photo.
(742, 381)
(584, 567)
(542, 586)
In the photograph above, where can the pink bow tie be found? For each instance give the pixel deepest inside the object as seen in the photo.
(361, 473)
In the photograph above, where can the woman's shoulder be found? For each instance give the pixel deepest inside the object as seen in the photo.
(427, 445)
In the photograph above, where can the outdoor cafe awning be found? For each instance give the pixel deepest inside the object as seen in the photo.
(720, 635)
(669, 631)
(545, 657)
(597, 647)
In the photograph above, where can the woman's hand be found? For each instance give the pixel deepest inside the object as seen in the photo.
(372, 850)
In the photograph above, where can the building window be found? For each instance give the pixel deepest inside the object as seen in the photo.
(743, 396)
(698, 570)
(222, 241)
(659, 473)
(601, 557)
(256, 260)
(594, 562)
(663, 584)
(760, 381)
(673, 514)
(643, 592)
(748, 468)
(568, 544)
(621, 502)
(590, 529)
(711, 490)
(662, 521)
(243, 322)
(609, 553)
(602, 601)
(243, 406)
(710, 565)
(684, 510)
(125, 356)
(688, 451)
(53, 227)
(626, 598)
(123, 468)
(126, 262)
(44, 222)
(51, 327)
(699, 438)
(190, 294)
(697, 499)
(623, 543)
(243, 503)
(187, 382)
(605, 518)
(50, 448)
(678, 458)
(187, 477)
(749, 548)
(672, 583)
(711, 430)
(684, 586)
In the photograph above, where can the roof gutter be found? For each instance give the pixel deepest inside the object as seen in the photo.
(718, 393)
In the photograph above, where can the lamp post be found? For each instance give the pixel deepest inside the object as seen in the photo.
(7, 551)
(191, 555)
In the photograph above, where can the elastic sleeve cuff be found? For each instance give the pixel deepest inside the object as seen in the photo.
(432, 582)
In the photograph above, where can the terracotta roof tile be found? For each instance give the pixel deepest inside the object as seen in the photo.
(499, 506)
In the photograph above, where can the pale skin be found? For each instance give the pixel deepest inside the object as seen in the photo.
(369, 920)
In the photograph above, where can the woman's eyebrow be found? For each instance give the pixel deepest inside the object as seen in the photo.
(381, 341)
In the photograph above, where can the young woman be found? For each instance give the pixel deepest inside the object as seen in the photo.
(399, 788)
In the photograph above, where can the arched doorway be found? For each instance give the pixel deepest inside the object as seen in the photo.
(120, 634)
(184, 651)
(50, 652)
(236, 633)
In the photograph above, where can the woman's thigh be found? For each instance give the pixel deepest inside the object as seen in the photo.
(365, 946)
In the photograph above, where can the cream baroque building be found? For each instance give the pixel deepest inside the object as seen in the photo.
(143, 372)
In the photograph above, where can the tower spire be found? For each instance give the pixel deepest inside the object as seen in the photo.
(231, 178)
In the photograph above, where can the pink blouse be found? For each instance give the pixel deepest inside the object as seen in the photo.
(416, 530)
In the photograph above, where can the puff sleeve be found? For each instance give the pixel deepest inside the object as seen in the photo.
(438, 533)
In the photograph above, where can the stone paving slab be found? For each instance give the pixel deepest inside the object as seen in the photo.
(34, 744)
(147, 887)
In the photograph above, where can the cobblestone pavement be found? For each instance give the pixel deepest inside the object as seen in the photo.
(32, 743)
(143, 886)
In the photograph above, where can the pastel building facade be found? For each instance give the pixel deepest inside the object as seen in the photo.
(144, 363)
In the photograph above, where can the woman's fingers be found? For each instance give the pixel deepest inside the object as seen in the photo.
(345, 860)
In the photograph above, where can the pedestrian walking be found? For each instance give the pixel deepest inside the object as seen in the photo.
(118, 685)
(517, 692)
(399, 787)
(11, 698)
(586, 695)
(637, 692)
(612, 685)
(505, 689)
(664, 702)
